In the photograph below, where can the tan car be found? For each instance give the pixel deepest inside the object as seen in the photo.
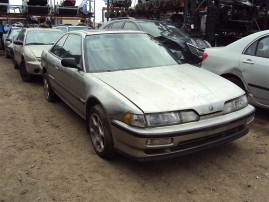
(28, 48)
(138, 99)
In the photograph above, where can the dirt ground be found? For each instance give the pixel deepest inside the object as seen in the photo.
(46, 155)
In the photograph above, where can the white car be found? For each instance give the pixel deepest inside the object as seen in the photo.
(246, 63)
(28, 47)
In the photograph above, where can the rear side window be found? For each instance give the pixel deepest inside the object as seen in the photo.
(259, 48)
(251, 49)
(263, 48)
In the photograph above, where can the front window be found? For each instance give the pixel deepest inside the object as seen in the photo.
(113, 52)
(42, 37)
(161, 29)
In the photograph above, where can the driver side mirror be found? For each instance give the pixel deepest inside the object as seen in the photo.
(70, 62)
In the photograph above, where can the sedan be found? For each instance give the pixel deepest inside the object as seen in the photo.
(246, 63)
(138, 99)
(12, 33)
(28, 47)
(188, 49)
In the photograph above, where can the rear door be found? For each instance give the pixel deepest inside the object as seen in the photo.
(255, 69)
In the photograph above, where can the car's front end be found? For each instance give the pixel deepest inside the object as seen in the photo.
(162, 142)
(32, 58)
(176, 115)
(36, 41)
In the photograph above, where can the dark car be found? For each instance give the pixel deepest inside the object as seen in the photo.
(188, 49)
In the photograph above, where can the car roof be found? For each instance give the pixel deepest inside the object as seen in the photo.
(135, 19)
(98, 31)
(71, 26)
(38, 28)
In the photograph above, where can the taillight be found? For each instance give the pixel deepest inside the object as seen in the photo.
(204, 56)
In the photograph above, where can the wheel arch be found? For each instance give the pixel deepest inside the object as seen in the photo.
(230, 76)
(91, 102)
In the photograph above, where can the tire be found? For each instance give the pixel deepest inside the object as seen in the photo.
(7, 56)
(26, 77)
(16, 66)
(100, 132)
(49, 95)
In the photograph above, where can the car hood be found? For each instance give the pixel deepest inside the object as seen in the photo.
(172, 88)
(37, 49)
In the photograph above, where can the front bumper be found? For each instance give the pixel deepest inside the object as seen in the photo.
(186, 138)
(33, 67)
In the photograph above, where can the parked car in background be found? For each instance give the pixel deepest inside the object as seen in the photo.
(188, 49)
(28, 47)
(246, 63)
(13, 31)
(68, 28)
(138, 99)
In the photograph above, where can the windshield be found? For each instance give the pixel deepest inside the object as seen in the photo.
(112, 52)
(77, 28)
(42, 37)
(158, 29)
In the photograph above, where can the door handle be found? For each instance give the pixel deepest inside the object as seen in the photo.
(248, 61)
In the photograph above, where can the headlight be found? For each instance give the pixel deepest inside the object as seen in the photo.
(171, 118)
(160, 119)
(235, 104)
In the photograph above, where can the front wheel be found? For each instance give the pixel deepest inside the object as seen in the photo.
(100, 132)
(16, 66)
(26, 77)
(7, 56)
(49, 95)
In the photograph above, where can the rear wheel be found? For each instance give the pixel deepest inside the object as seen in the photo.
(26, 77)
(49, 95)
(100, 132)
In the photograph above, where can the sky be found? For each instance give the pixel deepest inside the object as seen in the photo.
(99, 4)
